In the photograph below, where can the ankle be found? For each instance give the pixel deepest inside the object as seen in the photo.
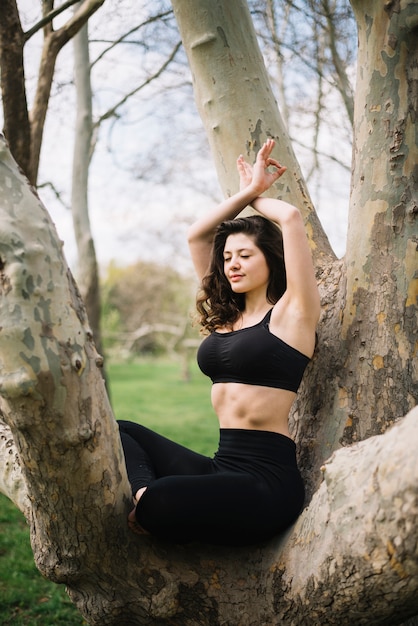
(139, 494)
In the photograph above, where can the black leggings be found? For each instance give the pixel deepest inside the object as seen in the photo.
(249, 491)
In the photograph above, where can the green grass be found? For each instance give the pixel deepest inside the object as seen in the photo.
(151, 392)
(26, 598)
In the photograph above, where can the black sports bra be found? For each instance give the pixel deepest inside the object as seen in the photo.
(253, 356)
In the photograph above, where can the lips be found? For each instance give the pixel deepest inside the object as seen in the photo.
(235, 277)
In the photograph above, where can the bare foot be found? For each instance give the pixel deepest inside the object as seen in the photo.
(138, 494)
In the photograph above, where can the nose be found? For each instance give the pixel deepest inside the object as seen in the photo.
(235, 262)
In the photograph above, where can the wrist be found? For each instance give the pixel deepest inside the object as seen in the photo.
(277, 210)
(253, 192)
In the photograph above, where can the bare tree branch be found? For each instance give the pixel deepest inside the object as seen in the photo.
(112, 111)
(123, 37)
(47, 19)
(343, 83)
(53, 43)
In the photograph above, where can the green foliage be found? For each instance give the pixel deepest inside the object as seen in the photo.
(110, 321)
(146, 309)
(152, 392)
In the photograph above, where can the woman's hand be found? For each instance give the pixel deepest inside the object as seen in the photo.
(259, 176)
(254, 181)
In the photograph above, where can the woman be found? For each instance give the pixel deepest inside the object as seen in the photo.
(262, 319)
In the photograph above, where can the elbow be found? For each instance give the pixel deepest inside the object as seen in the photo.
(196, 238)
(292, 216)
(191, 234)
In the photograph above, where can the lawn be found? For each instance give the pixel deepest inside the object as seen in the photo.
(151, 392)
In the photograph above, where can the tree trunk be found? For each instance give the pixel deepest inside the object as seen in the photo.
(13, 89)
(379, 320)
(364, 375)
(352, 556)
(24, 132)
(236, 103)
(88, 273)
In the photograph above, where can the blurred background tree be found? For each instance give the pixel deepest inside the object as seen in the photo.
(147, 310)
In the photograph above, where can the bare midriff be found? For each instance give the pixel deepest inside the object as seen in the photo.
(252, 407)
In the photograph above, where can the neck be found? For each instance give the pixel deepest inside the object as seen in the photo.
(255, 305)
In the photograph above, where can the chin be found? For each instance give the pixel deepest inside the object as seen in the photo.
(237, 289)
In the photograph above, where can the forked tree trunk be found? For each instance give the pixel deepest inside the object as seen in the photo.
(380, 316)
(364, 376)
(352, 557)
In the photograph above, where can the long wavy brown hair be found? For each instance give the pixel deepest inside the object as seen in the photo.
(217, 305)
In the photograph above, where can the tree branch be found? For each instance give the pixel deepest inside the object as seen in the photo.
(123, 37)
(112, 111)
(53, 43)
(357, 539)
(47, 19)
(12, 483)
(342, 80)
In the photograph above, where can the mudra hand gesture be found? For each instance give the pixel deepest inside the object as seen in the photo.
(259, 176)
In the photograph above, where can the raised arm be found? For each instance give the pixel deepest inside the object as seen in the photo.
(296, 314)
(201, 233)
(302, 288)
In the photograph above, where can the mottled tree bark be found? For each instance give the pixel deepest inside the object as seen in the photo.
(379, 326)
(352, 556)
(236, 103)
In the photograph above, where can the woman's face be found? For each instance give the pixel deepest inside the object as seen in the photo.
(245, 265)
